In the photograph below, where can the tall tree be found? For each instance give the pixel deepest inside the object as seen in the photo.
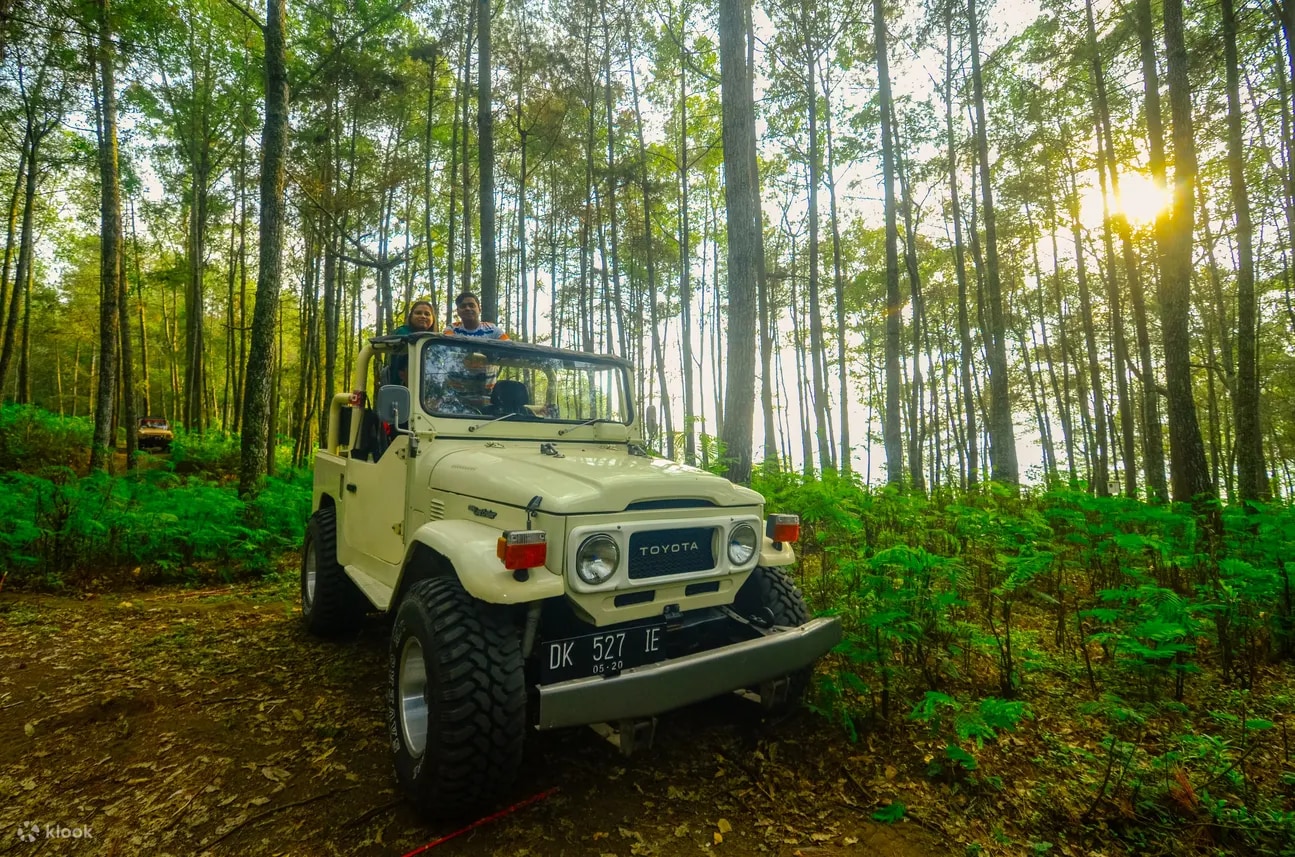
(742, 209)
(110, 271)
(1251, 477)
(1002, 436)
(1188, 470)
(892, 435)
(1153, 443)
(486, 165)
(274, 150)
(42, 103)
(959, 261)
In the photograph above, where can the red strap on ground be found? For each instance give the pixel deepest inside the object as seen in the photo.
(483, 821)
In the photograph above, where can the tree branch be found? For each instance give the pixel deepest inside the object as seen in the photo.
(337, 49)
(247, 14)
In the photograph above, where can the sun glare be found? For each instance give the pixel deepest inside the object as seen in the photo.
(1140, 200)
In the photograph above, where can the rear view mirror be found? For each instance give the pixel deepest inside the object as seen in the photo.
(393, 404)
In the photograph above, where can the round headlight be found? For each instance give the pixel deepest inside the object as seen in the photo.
(597, 559)
(741, 544)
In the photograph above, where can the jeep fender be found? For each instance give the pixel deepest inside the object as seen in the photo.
(471, 549)
(774, 554)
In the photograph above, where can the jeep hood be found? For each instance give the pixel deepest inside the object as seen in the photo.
(585, 480)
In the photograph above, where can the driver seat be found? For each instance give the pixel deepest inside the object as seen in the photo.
(510, 397)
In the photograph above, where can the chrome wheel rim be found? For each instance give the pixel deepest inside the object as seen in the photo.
(413, 697)
(311, 573)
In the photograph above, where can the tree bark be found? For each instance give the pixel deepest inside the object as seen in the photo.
(274, 147)
(892, 435)
(1252, 479)
(742, 208)
(1101, 454)
(110, 285)
(1002, 436)
(666, 422)
(685, 260)
(1153, 442)
(486, 165)
(1189, 473)
(917, 392)
(11, 226)
(966, 352)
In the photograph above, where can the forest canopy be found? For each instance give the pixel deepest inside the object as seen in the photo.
(1029, 241)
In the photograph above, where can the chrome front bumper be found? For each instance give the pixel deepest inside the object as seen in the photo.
(656, 688)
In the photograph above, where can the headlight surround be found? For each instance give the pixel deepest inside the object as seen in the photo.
(742, 543)
(598, 558)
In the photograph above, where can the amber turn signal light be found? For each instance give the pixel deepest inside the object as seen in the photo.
(783, 528)
(522, 548)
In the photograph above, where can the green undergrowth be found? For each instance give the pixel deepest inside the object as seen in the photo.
(1141, 665)
(173, 518)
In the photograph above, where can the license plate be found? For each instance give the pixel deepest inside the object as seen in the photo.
(603, 654)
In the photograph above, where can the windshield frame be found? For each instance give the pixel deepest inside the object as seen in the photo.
(510, 354)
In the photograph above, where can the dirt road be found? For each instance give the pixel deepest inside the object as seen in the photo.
(179, 723)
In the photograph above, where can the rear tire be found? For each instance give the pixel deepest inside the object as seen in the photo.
(456, 702)
(331, 604)
(770, 595)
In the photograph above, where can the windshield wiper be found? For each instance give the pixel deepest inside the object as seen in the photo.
(506, 416)
(587, 422)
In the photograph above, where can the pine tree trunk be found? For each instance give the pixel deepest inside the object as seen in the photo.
(130, 414)
(1189, 475)
(274, 147)
(25, 252)
(685, 260)
(1153, 443)
(1002, 435)
(1252, 480)
(11, 226)
(817, 350)
(1101, 454)
(838, 287)
(892, 435)
(917, 392)
(139, 299)
(23, 394)
(110, 286)
(966, 351)
(742, 207)
(486, 165)
(1106, 168)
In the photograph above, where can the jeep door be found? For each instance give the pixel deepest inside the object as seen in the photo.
(373, 520)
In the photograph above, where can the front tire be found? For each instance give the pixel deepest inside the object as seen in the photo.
(456, 702)
(769, 595)
(331, 604)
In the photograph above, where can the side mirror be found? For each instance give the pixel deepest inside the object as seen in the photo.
(393, 405)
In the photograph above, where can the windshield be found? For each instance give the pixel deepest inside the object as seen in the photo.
(471, 378)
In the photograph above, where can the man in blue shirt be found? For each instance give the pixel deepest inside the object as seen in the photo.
(471, 384)
(470, 323)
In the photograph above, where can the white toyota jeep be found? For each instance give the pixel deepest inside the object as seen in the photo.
(544, 570)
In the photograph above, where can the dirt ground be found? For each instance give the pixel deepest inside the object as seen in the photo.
(176, 723)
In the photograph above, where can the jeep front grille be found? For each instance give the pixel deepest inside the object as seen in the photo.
(659, 553)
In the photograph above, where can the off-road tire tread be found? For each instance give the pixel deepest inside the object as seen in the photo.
(476, 699)
(338, 606)
(772, 588)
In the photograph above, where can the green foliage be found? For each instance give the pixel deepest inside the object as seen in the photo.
(147, 525)
(945, 599)
(890, 813)
(31, 438)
